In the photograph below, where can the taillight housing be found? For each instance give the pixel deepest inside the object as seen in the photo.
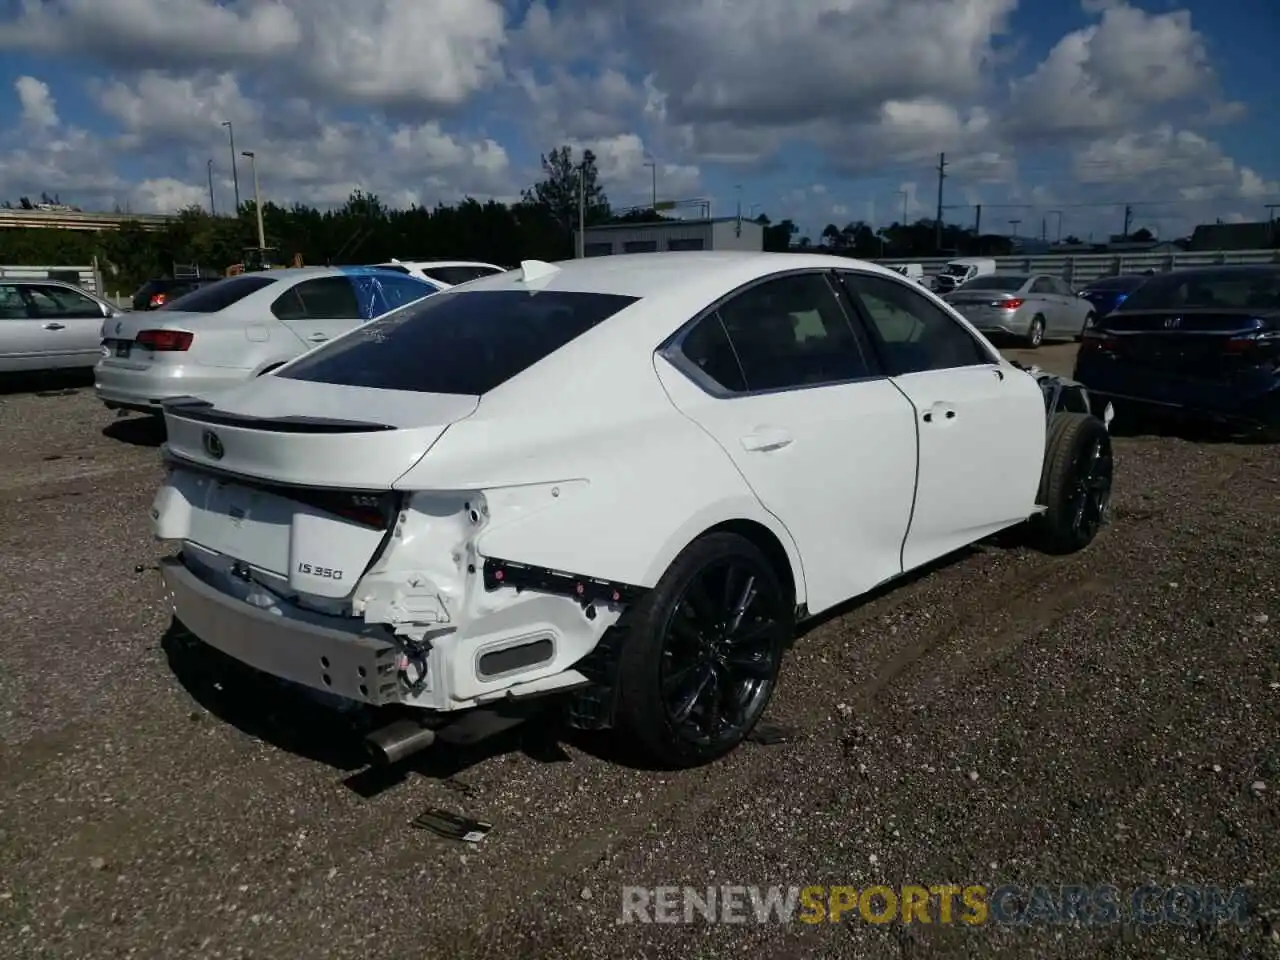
(1012, 304)
(157, 300)
(1098, 341)
(165, 341)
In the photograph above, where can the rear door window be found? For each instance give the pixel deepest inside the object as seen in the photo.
(219, 295)
(458, 343)
(324, 298)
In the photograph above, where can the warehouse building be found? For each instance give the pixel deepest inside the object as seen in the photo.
(721, 233)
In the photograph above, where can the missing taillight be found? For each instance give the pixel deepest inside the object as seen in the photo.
(367, 509)
(165, 341)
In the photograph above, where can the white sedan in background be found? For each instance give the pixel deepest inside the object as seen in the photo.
(238, 328)
(446, 273)
(623, 478)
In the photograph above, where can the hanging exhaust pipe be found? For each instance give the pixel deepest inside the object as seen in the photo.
(398, 740)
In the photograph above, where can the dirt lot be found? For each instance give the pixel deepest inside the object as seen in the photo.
(1107, 718)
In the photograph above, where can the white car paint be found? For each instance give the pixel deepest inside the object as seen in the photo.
(443, 273)
(961, 270)
(604, 459)
(257, 333)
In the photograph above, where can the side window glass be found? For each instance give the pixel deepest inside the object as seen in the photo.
(1060, 287)
(397, 291)
(288, 306)
(61, 302)
(1042, 285)
(916, 334)
(707, 347)
(325, 298)
(12, 304)
(792, 332)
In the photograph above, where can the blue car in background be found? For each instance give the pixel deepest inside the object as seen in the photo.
(1202, 341)
(1107, 293)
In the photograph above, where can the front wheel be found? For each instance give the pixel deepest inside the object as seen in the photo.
(701, 652)
(1075, 486)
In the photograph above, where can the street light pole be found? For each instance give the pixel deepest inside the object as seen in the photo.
(257, 197)
(903, 194)
(212, 210)
(235, 176)
(1058, 214)
(653, 164)
(582, 210)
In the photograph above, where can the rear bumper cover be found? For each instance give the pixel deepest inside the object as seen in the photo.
(146, 390)
(356, 666)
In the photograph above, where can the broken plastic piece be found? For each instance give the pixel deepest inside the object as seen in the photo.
(452, 826)
(768, 732)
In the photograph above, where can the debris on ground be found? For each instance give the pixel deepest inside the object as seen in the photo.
(768, 732)
(452, 826)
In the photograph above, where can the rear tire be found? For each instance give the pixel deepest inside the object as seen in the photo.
(1089, 320)
(696, 670)
(1075, 485)
(1035, 334)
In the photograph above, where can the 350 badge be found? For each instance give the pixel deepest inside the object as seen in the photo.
(323, 572)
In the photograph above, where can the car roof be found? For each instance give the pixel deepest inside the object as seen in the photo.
(312, 273)
(640, 275)
(424, 264)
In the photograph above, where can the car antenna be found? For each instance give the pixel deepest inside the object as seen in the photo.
(537, 270)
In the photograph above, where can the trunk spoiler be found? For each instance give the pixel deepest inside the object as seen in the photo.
(203, 411)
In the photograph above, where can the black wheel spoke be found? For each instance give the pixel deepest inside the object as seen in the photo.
(720, 652)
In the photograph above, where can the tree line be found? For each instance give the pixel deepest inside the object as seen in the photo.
(539, 226)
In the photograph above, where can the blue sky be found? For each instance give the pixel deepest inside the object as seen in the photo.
(833, 111)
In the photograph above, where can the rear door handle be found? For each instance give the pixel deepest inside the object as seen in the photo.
(317, 337)
(764, 440)
(55, 326)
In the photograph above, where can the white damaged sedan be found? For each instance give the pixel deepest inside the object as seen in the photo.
(624, 480)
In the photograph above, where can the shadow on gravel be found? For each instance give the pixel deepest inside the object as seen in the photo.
(290, 719)
(141, 431)
(1136, 423)
(50, 383)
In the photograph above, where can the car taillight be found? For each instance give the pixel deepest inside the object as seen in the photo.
(1012, 304)
(165, 340)
(1096, 342)
(158, 299)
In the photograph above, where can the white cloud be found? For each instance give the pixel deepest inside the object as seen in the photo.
(38, 107)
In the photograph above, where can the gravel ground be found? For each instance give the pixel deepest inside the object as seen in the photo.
(1107, 718)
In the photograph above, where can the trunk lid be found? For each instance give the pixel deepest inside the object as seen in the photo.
(1205, 344)
(294, 479)
(120, 335)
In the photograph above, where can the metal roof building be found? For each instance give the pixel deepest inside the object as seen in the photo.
(719, 233)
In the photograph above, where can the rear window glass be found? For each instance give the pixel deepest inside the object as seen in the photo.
(456, 275)
(393, 266)
(459, 343)
(218, 296)
(994, 283)
(1242, 289)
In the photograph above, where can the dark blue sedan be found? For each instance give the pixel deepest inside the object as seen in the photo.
(1203, 341)
(1107, 293)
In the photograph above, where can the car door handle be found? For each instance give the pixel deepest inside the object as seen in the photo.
(55, 326)
(317, 337)
(763, 440)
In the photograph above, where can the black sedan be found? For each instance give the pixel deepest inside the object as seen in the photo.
(1107, 293)
(1204, 341)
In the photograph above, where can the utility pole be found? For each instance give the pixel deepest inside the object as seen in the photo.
(257, 198)
(903, 195)
(1044, 229)
(1271, 220)
(212, 211)
(653, 164)
(1128, 219)
(582, 209)
(977, 220)
(235, 177)
(1013, 229)
(942, 175)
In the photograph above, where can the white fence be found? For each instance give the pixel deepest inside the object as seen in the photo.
(1085, 268)
(84, 277)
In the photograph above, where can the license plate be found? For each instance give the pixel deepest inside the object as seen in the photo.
(122, 347)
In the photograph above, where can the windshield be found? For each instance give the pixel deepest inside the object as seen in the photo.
(994, 283)
(1117, 283)
(1230, 289)
(955, 270)
(458, 343)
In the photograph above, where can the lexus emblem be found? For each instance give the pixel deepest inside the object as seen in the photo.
(1172, 322)
(212, 445)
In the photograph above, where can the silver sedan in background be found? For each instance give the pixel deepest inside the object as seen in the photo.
(49, 325)
(1033, 307)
